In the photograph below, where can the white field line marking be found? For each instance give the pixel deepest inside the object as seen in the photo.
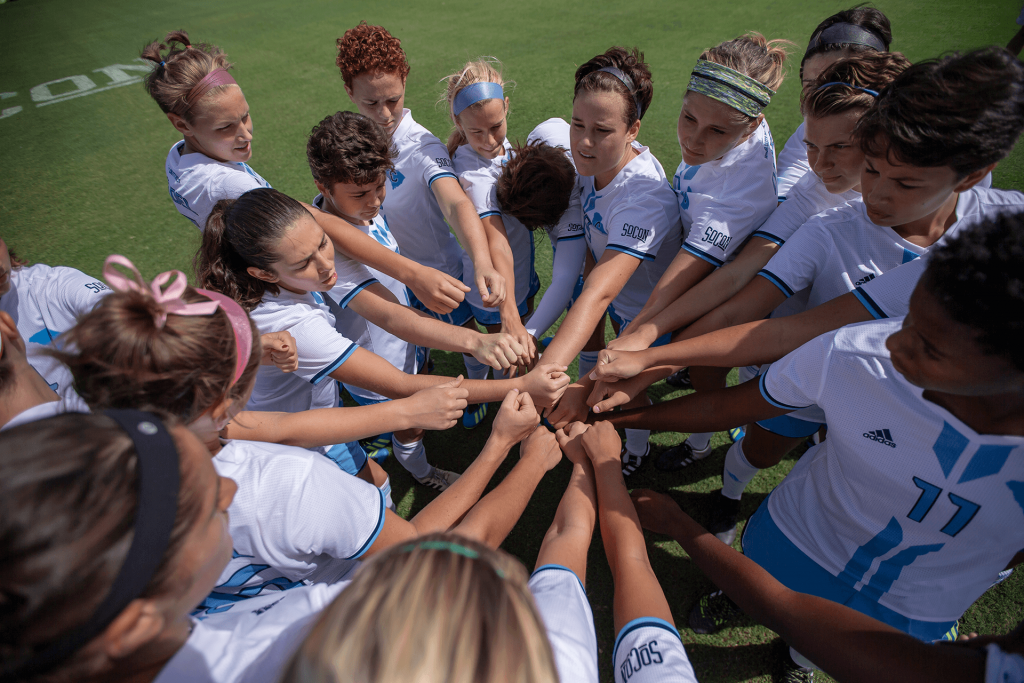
(90, 92)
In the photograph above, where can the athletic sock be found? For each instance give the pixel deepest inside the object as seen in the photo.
(800, 660)
(588, 361)
(385, 488)
(699, 441)
(474, 368)
(413, 457)
(636, 440)
(737, 472)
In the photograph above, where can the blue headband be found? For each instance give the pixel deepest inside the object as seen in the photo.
(873, 93)
(478, 92)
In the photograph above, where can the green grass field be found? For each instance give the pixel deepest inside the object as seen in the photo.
(82, 175)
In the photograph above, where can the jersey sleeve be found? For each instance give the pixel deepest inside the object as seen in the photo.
(320, 347)
(1001, 667)
(479, 186)
(801, 204)
(649, 650)
(637, 226)
(565, 271)
(570, 225)
(719, 228)
(797, 380)
(793, 163)
(433, 162)
(888, 295)
(76, 294)
(565, 610)
(353, 277)
(325, 512)
(799, 261)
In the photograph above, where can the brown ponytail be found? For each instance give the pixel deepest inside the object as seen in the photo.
(179, 71)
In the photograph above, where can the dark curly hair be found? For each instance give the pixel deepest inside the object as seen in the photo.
(590, 78)
(535, 184)
(964, 111)
(370, 48)
(873, 70)
(349, 148)
(978, 277)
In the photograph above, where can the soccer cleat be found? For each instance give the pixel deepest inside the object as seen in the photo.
(724, 515)
(680, 379)
(737, 433)
(678, 457)
(438, 479)
(631, 462)
(377, 448)
(543, 343)
(713, 612)
(473, 415)
(794, 673)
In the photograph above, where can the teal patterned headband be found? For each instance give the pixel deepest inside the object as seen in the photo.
(739, 91)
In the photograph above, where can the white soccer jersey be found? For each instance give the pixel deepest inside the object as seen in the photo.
(888, 296)
(310, 318)
(903, 501)
(478, 177)
(568, 620)
(196, 182)
(45, 303)
(1001, 667)
(723, 201)
(251, 642)
(793, 164)
(295, 517)
(354, 277)
(807, 198)
(71, 403)
(413, 214)
(636, 213)
(649, 650)
(567, 239)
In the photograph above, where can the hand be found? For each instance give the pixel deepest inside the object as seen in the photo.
(12, 346)
(616, 365)
(513, 326)
(437, 408)
(542, 447)
(632, 340)
(572, 408)
(278, 348)
(491, 285)
(501, 351)
(546, 383)
(516, 419)
(657, 512)
(602, 443)
(570, 440)
(607, 396)
(437, 291)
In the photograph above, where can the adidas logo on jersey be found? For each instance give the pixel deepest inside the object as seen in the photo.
(868, 278)
(881, 436)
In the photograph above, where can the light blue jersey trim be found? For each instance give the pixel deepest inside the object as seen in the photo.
(632, 252)
(558, 567)
(777, 281)
(355, 292)
(487, 214)
(768, 397)
(643, 622)
(319, 377)
(376, 532)
(701, 255)
(867, 302)
(768, 236)
(570, 239)
(443, 174)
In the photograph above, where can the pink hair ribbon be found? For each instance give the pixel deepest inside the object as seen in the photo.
(169, 300)
(210, 81)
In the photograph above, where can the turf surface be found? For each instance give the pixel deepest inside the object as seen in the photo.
(82, 176)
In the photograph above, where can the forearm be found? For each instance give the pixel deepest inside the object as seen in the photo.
(621, 532)
(683, 273)
(578, 325)
(504, 262)
(445, 511)
(704, 411)
(491, 520)
(564, 274)
(465, 222)
(421, 329)
(322, 427)
(568, 538)
(357, 245)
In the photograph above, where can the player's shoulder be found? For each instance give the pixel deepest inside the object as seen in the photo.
(866, 339)
(988, 201)
(554, 131)
(840, 218)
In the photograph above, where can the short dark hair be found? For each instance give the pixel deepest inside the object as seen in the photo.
(978, 277)
(349, 148)
(964, 111)
(867, 18)
(535, 184)
(590, 78)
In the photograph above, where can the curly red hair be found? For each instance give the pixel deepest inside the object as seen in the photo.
(370, 48)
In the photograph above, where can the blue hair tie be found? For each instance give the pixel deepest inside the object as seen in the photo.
(477, 92)
(162, 63)
(873, 93)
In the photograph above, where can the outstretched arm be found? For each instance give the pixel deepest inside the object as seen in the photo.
(568, 538)
(637, 591)
(504, 263)
(871, 651)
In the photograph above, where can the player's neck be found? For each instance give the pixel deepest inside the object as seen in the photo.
(926, 231)
(999, 414)
(27, 391)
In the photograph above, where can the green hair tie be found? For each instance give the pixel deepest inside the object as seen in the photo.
(739, 91)
(451, 547)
